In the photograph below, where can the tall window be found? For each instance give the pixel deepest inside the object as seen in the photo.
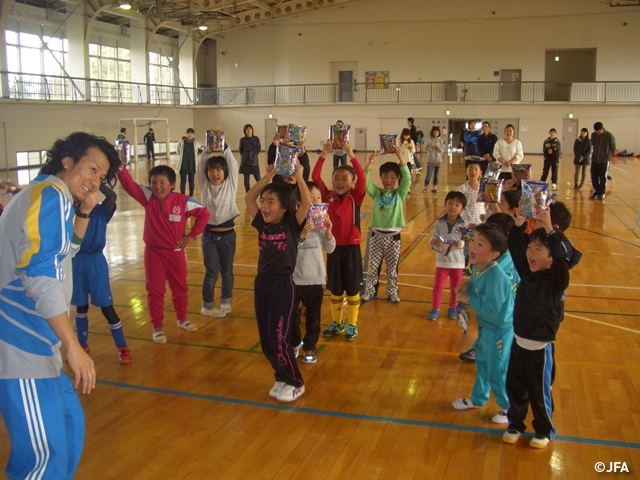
(110, 69)
(161, 79)
(29, 60)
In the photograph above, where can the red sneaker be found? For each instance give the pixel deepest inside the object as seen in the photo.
(124, 356)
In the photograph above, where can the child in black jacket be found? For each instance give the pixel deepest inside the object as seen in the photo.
(537, 314)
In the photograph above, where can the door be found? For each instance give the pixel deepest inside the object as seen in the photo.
(345, 85)
(510, 85)
(569, 134)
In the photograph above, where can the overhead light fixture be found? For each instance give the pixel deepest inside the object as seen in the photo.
(571, 115)
(202, 26)
(447, 112)
(124, 4)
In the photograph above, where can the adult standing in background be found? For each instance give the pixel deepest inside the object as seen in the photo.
(122, 135)
(507, 151)
(38, 237)
(414, 137)
(149, 139)
(471, 140)
(604, 147)
(581, 158)
(339, 154)
(486, 142)
(249, 149)
(188, 148)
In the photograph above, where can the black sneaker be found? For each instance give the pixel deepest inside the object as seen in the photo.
(469, 356)
(466, 272)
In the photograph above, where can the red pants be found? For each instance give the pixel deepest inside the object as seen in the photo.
(455, 278)
(162, 265)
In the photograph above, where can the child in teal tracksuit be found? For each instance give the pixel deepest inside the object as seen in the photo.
(490, 293)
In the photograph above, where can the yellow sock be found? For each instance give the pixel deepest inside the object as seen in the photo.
(353, 306)
(336, 308)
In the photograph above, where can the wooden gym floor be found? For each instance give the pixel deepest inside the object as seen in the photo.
(380, 407)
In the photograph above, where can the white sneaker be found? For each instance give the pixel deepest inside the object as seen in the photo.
(553, 186)
(538, 441)
(463, 404)
(187, 325)
(289, 393)
(211, 312)
(500, 417)
(159, 336)
(275, 390)
(296, 350)
(225, 308)
(511, 436)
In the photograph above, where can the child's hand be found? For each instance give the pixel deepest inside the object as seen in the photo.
(184, 241)
(510, 184)
(308, 226)
(326, 149)
(327, 224)
(277, 139)
(270, 172)
(545, 218)
(372, 158)
(520, 218)
(299, 172)
(461, 289)
(349, 150)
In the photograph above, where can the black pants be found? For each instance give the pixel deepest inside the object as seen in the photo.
(273, 300)
(553, 165)
(529, 383)
(183, 182)
(311, 298)
(150, 153)
(599, 177)
(338, 159)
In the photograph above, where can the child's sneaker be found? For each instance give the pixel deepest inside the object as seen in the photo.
(367, 297)
(296, 350)
(434, 314)
(452, 313)
(211, 312)
(289, 393)
(539, 441)
(464, 404)
(225, 308)
(159, 336)
(466, 272)
(275, 390)
(351, 333)
(469, 356)
(511, 436)
(333, 329)
(500, 417)
(124, 356)
(394, 298)
(554, 186)
(424, 190)
(309, 357)
(434, 190)
(187, 325)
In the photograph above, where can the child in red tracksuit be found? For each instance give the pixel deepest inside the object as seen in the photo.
(166, 214)
(344, 264)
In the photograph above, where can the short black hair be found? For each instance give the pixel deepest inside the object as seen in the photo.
(410, 119)
(123, 129)
(190, 130)
(489, 124)
(598, 126)
(502, 220)
(553, 130)
(458, 196)
(390, 167)
(512, 197)
(311, 185)
(217, 162)
(76, 146)
(348, 168)
(494, 235)
(163, 171)
(285, 194)
(560, 215)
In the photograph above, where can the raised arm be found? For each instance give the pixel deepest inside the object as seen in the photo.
(305, 196)
(316, 174)
(252, 195)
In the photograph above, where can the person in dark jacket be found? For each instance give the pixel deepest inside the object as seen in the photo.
(581, 158)
(149, 139)
(604, 147)
(471, 140)
(249, 149)
(551, 149)
(544, 276)
(486, 142)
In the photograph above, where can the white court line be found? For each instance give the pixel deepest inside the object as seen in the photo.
(623, 171)
(601, 323)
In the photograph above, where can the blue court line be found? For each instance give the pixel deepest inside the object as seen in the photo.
(356, 416)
